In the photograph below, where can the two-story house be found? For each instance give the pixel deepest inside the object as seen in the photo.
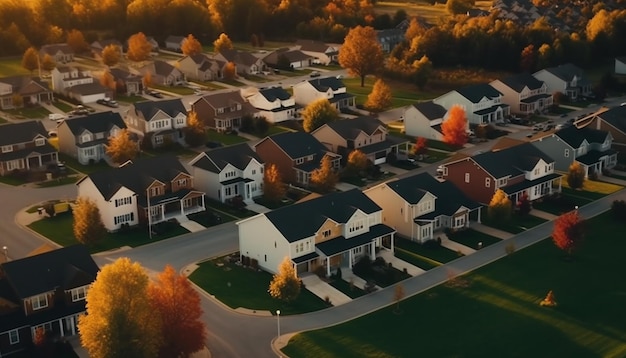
(159, 122)
(24, 146)
(585, 145)
(174, 43)
(223, 111)
(482, 103)
(339, 229)
(293, 57)
(85, 138)
(45, 291)
(60, 53)
(274, 103)
(246, 62)
(323, 54)
(331, 88)
(162, 73)
(160, 186)
(295, 154)
(226, 172)
(424, 120)
(612, 120)
(419, 206)
(567, 79)
(516, 170)
(78, 83)
(201, 67)
(366, 134)
(127, 83)
(31, 91)
(524, 93)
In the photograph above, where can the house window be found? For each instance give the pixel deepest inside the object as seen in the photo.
(120, 219)
(78, 294)
(15, 164)
(123, 201)
(14, 336)
(299, 161)
(566, 154)
(467, 177)
(158, 139)
(261, 170)
(85, 138)
(326, 233)
(40, 302)
(487, 182)
(536, 171)
(180, 120)
(253, 171)
(7, 148)
(459, 221)
(501, 182)
(356, 226)
(39, 142)
(182, 182)
(187, 203)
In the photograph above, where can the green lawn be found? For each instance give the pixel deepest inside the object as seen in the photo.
(229, 210)
(129, 99)
(471, 238)
(226, 139)
(210, 218)
(431, 143)
(233, 83)
(85, 169)
(29, 112)
(63, 106)
(2, 120)
(176, 150)
(236, 286)
(582, 194)
(58, 182)
(12, 66)
(59, 229)
(438, 254)
(515, 225)
(276, 129)
(403, 94)
(414, 259)
(183, 91)
(435, 156)
(495, 311)
(11, 180)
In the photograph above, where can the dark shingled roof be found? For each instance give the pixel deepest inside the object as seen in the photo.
(101, 122)
(163, 68)
(351, 128)
(273, 93)
(298, 144)
(323, 84)
(25, 85)
(65, 268)
(238, 155)
(301, 220)
(312, 46)
(616, 117)
(476, 92)
(567, 72)
(21, 132)
(575, 136)
(519, 81)
(171, 107)
(239, 57)
(137, 175)
(511, 161)
(120, 74)
(430, 110)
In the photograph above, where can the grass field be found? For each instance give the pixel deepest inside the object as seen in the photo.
(403, 93)
(29, 112)
(12, 66)
(471, 238)
(431, 13)
(495, 312)
(226, 139)
(515, 225)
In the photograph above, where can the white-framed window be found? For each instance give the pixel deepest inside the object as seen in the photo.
(467, 177)
(85, 138)
(123, 201)
(261, 170)
(158, 139)
(120, 219)
(253, 171)
(299, 161)
(326, 233)
(182, 182)
(180, 120)
(356, 226)
(220, 110)
(40, 302)
(78, 294)
(7, 148)
(187, 203)
(14, 336)
(39, 142)
(15, 164)
(536, 171)
(566, 153)
(501, 182)
(487, 182)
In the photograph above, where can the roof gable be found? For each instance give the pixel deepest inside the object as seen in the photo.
(476, 93)
(511, 161)
(171, 107)
(298, 144)
(21, 132)
(238, 155)
(351, 128)
(101, 122)
(520, 81)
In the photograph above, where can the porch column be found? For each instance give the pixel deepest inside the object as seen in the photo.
(350, 258)
(203, 207)
(182, 207)
(39, 157)
(61, 326)
(392, 247)
(328, 266)
(162, 212)
(479, 209)
(373, 251)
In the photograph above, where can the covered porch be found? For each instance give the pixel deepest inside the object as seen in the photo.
(594, 162)
(223, 124)
(343, 100)
(537, 103)
(378, 152)
(493, 114)
(231, 188)
(535, 189)
(173, 205)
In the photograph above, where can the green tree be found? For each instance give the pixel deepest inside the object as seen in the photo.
(223, 42)
(88, 226)
(111, 55)
(285, 285)
(576, 176)
(499, 207)
(191, 46)
(120, 320)
(380, 97)
(318, 113)
(273, 186)
(47, 63)
(138, 47)
(195, 132)
(324, 178)
(361, 53)
(122, 148)
(261, 125)
(30, 60)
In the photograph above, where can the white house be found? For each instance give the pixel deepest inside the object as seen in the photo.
(567, 79)
(227, 172)
(323, 54)
(482, 103)
(160, 121)
(524, 93)
(274, 103)
(424, 120)
(331, 88)
(331, 231)
(78, 84)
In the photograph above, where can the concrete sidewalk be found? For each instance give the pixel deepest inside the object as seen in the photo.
(400, 264)
(491, 231)
(191, 225)
(455, 246)
(257, 208)
(611, 180)
(324, 290)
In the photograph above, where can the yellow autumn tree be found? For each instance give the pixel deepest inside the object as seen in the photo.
(107, 80)
(357, 162)
(30, 59)
(120, 320)
(47, 63)
(273, 186)
(138, 47)
(576, 176)
(191, 46)
(194, 132)
(223, 42)
(121, 147)
(285, 285)
(324, 178)
(361, 53)
(111, 55)
(230, 71)
(500, 206)
(380, 97)
(318, 113)
(76, 40)
(88, 227)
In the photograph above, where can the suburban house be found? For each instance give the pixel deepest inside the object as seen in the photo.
(125, 195)
(31, 91)
(424, 120)
(274, 103)
(162, 73)
(340, 228)
(282, 57)
(60, 53)
(295, 154)
(612, 120)
(567, 79)
(366, 134)
(174, 43)
(585, 145)
(84, 138)
(43, 292)
(482, 103)
(78, 84)
(128, 83)
(331, 88)
(223, 111)
(419, 206)
(323, 54)
(390, 38)
(620, 65)
(524, 93)
(24, 146)
(98, 46)
(226, 172)
(201, 67)
(246, 62)
(516, 169)
(159, 122)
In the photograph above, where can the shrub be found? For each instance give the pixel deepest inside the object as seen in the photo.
(254, 263)
(432, 244)
(363, 266)
(49, 209)
(247, 124)
(618, 209)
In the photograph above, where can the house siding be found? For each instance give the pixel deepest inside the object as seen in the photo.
(554, 147)
(397, 213)
(619, 137)
(270, 153)
(249, 244)
(475, 189)
(417, 125)
(205, 112)
(329, 138)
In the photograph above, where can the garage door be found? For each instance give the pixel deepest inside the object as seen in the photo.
(380, 158)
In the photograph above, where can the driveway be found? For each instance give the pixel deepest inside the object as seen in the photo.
(324, 290)
(401, 264)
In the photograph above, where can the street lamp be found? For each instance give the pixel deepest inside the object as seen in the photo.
(278, 322)
(6, 253)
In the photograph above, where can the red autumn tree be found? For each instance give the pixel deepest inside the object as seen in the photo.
(569, 231)
(523, 205)
(455, 127)
(178, 306)
(420, 146)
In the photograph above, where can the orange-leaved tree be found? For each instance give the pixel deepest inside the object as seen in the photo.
(380, 97)
(273, 186)
(191, 46)
(361, 52)
(223, 42)
(285, 285)
(420, 146)
(324, 178)
(138, 47)
(111, 55)
(454, 128)
(569, 231)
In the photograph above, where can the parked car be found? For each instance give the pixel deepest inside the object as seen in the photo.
(108, 103)
(156, 94)
(56, 116)
(315, 74)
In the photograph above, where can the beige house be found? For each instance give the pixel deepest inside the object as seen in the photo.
(424, 120)
(201, 67)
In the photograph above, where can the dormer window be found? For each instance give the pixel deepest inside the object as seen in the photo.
(299, 161)
(40, 141)
(40, 302)
(7, 148)
(182, 182)
(85, 138)
(78, 294)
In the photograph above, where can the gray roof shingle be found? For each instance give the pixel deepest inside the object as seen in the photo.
(511, 161)
(101, 122)
(21, 132)
(298, 144)
(323, 84)
(519, 81)
(351, 128)
(171, 107)
(238, 155)
(476, 92)
(575, 136)
(616, 117)
(430, 110)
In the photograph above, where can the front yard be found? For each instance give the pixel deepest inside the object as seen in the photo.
(226, 139)
(472, 238)
(403, 94)
(515, 225)
(424, 256)
(29, 113)
(495, 311)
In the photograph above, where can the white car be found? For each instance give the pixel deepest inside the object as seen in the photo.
(56, 116)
